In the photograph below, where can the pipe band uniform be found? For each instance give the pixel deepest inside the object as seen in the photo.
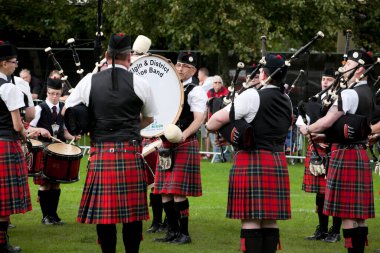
(262, 166)
(119, 105)
(349, 172)
(182, 178)
(14, 188)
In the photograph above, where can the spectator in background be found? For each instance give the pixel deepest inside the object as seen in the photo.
(218, 91)
(34, 83)
(203, 75)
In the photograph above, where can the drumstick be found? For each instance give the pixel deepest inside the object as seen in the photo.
(71, 142)
(56, 139)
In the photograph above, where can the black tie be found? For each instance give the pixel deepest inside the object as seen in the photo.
(54, 114)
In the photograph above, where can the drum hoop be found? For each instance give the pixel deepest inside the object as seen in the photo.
(49, 151)
(36, 143)
(168, 61)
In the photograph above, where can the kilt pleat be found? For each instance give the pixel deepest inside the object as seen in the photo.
(311, 183)
(349, 192)
(14, 187)
(259, 186)
(185, 177)
(115, 189)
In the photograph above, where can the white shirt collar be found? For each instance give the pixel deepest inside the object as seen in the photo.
(187, 81)
(117, 66)
(50, 104)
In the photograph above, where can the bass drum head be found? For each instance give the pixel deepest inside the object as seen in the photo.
(167, 91)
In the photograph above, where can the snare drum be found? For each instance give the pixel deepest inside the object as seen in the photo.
(62, 163)
(150, 154)
(167, 91)
(35, 164)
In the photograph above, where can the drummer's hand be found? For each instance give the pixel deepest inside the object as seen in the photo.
(44, 133)
(77, 137)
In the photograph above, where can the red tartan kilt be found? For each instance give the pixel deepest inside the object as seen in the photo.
(349, 191)
(184, 178)
(115, 189)
(259, 186)
(311, 183)
(14, 187)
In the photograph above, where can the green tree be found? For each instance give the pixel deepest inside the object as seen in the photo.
(225, 28)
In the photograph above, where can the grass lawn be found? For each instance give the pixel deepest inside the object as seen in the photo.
(209, 229)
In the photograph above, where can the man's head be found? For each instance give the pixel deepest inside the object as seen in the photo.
(119, 49)
(202, 75)
(186, 65)
(328, 77)
(217, 83)
(8, 58)
(54, 90)
(273, 63)
(355, 58)
(255, 80)
(54, 74)
(25, 74)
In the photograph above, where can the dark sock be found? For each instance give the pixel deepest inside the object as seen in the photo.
(182, 209)
(352, 240)
(107, 237)
(171, 216)
(54, 200)
(251, 240)
(156, 203)
(323, 219)
(44, 202)
(271, 239)
(362, 241)
(337, 223)
(132, 236)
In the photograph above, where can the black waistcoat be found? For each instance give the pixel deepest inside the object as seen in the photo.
(366, 101)
(187, 116)
(46, 121)
(115, 114)
(272, 121)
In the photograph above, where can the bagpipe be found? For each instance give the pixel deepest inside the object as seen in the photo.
(239, 132)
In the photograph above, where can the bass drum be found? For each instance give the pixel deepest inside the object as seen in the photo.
(167, 91)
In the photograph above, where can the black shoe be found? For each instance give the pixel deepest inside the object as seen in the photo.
(170, 236)
(154, 227)
(318, 235)
(47, 220)
(182, 239)
(57, 220)
(163, 228)
(332, 238)
(10, 249)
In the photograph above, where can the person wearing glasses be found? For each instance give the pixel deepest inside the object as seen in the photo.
(14, 188)
(183, 178)
(48, 122)
(218, 91)
(54, 74)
